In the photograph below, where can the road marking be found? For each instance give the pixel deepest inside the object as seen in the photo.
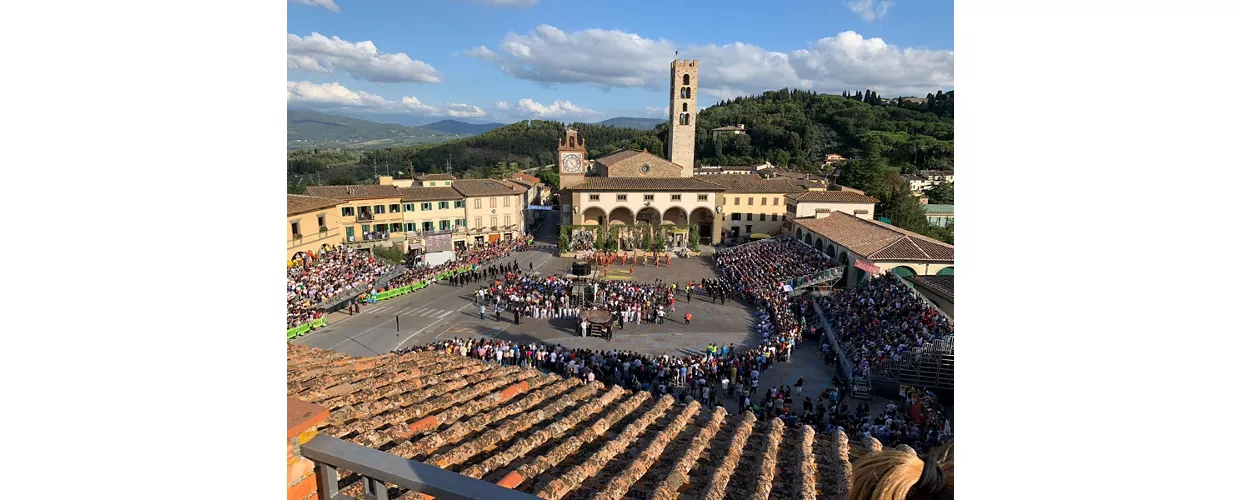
(445, 314)
(360, 334)
(417, 310)
(415, 334)
(408, 310)
(428, 313)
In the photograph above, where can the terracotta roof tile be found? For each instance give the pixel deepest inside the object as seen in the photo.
(436, 177)
(429, 194)
(828, 196)
(623, 154)
(749, 183)
(516, 186)
(299, 204)
(481, 187)
(646, 184)
(878, 241)
(942, 285)
(558, 437)
(526, 178)
(358, 192)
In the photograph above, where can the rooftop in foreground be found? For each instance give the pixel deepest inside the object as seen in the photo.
(558, 438)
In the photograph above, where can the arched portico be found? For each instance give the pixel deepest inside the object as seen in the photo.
(675, 215)
(593, 216)
(621, 215)
(649, 216)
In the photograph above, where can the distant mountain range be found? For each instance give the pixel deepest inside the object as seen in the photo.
(312, 129)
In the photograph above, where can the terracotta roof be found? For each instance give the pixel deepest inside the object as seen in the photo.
(941, 285)
(429, 194)
(359, 192)
(522, 176)
(741, 183)
(617, 156)
(875, 240)
(796, 175)
(646, 184)
(516, 186)
(828, 196)
(298, 204)
(436, 177)
(481, 187)
(562, 438)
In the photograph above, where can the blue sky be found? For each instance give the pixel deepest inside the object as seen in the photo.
(419, 61)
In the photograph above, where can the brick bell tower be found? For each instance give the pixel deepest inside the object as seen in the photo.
(572, 157)
(682, 122)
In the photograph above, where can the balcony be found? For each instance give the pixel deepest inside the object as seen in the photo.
(299, 240)
(365, 217)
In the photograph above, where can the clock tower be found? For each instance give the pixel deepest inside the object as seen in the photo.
(572, 159)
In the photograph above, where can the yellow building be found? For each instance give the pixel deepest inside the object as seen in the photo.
(436, 180)
(751, 204)
(433, 211)
(866, 247)
(370, 214)
(493, 210)
(312, 222)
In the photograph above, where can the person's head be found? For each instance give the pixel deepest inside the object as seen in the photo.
(898, 474)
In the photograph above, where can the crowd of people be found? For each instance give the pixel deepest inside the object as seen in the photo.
(318, 277)
(881, 319)
(760, 271)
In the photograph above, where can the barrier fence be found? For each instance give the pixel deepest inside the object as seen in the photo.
(374, 297)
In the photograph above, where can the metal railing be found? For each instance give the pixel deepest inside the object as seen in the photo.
(378, 469)
(313, 237)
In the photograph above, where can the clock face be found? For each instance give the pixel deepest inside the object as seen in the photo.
(571, 163)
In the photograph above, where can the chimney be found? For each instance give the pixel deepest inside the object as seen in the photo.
(304, 421)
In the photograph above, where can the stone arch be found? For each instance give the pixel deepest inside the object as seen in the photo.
(947, 271)
(799, 233)
(621, 215)
(593, 216)
(904, 271)
(818, 244)
(685, 79)
(649, 215)
(831, 251)
(808, 239)
(675, 215)
(684, 106)
(846, 268)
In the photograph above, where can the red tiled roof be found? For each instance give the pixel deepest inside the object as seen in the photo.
(562, 438)
(522, 176)
(828, 196)
(299, 204)
(941, 285)
(617, 156)
(481, 187)
(359, 192)
(875, 240)
(516, 186)
(750, 183)
(429, 194)
(646, 184)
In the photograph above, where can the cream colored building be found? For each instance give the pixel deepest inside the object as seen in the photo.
(811, 202)
(493, 210)
(312, 222)
(751, 204)
(864, 246)
(737, 129)
(368, 212)
(431, 211)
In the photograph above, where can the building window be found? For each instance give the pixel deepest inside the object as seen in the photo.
(426, 207)
(761, 217)
(736, 201)
(785, 217)
(322, 220)
(346, 211)
(675, 197)
(478, 222)
(723, 200)
(443, 205)
(748, 229)
(410, 227)
(395, 228)
(380, 228)
(394, 208)
(296, 229)
(507, 220)
(594, 197)
(686, 80)
(478, 204)
(494, 220)
(701, 197)
(379, 209)
(444, 225)
(493, 203)
(648, 197)
(460, 223)
(622, 197)
(748, 217)
(764, 200)
(507, 201)
(751, 201)
(736, 217)
(408, 207)
(428, 226)
(458, 204)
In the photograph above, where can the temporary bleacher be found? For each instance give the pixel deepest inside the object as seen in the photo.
(932, 366)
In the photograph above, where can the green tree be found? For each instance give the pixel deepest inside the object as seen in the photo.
(943, 193)
(550, 177)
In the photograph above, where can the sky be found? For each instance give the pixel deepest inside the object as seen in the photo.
(421, 61)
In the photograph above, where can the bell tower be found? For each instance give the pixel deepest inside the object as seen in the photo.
(572, 157)
(682, 119)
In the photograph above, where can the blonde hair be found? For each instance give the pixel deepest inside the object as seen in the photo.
(895, 474)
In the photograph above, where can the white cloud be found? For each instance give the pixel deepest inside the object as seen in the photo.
(501, 105)
(326, 4)
(558, 109)
(519, 4)
(656, 111)
(362, 60)
(611, 58)
(334, 96)
(868, 10)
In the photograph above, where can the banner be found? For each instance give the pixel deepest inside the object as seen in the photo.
(868, 267)
(540, 207)
(306, 327)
